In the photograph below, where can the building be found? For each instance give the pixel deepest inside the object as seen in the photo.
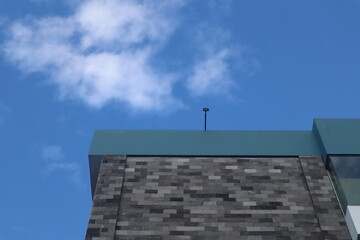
(227, 184)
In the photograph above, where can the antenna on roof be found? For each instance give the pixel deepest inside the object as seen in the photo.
(205, 110)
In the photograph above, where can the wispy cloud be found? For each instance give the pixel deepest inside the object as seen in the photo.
(53, 153)
(223, 5)
(101, 53)
(62, 166)
(65, 117)
(84, 133)
(210, 76)
(104, 53)
(218, 57)
(211, 72)
(55, 162)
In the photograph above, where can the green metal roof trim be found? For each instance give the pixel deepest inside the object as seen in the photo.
(328, 136)
(205, 143)
(198, 143)
(339, 136)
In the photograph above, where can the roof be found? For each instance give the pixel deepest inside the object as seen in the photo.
(328, 136)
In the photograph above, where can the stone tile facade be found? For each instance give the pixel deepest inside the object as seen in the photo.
(106, 199)
(214, 198)
(327, 208)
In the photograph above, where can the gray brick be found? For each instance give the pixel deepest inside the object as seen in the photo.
(214, 198)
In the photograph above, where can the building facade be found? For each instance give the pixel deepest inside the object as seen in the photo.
(227, 184)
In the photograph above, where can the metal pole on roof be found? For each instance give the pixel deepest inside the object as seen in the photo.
(205, 110)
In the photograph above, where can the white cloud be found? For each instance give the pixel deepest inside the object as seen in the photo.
(103, 53)
(55, 162)
(100, 54)
(53, 153)
(211, 72)
(210, 76)
(67, 166)
(76, 179)
(250, 65)
(223, 5)
(121, 22)
(65, 117)
(219, 56)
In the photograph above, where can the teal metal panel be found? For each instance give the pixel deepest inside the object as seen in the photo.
(320, 143)
(198, 143)
(206, 143)
(339, 136)
(328, 136)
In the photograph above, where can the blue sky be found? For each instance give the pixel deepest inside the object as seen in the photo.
(70, 67)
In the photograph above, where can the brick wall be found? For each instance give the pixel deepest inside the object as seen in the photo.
(214, 198)
(106, 201)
